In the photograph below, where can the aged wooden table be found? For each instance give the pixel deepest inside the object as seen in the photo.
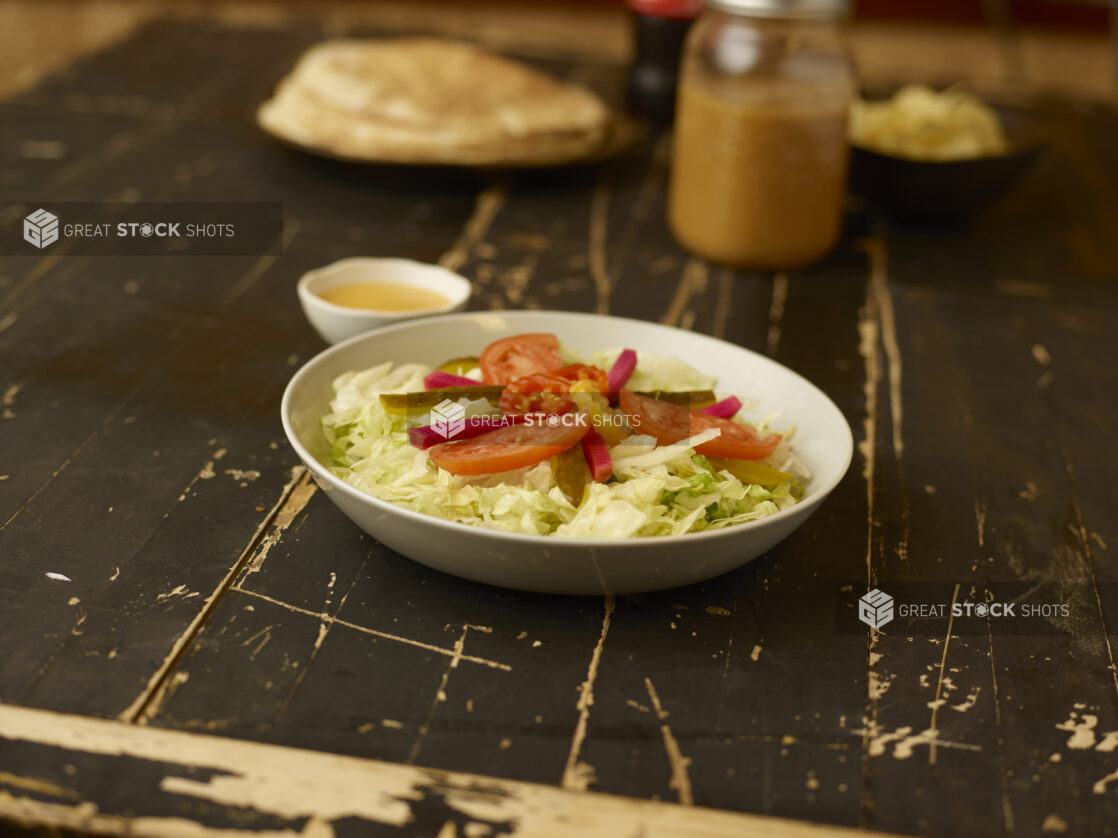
(194, 641)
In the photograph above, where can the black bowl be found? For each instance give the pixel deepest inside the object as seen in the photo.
(946, 191)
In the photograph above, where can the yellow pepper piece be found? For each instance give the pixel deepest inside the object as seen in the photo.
(751, 471)
(604, 419)
(459, 366)
(584, 385)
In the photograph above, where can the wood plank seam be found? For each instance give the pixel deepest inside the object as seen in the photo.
(933, 731)
(488, 203)
(596, 244)
(724, 304)
(261, 266)
(680, 781)
(96, 432)
(320, 638)
(776, 312)
(577, 774)
(1089, 560)
(440, 690)
(868, 349)
(1007, 805)
(293, 505)
(692, 282)
(407, 641)
(144, 704)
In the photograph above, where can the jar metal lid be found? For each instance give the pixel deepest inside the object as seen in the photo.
(783, 8)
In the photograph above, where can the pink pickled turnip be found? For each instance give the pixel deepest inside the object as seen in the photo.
(424, 436)
(622, 369)
(596, 451)
(725, 409)
(439, 379)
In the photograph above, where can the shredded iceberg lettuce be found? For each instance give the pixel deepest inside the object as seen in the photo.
(656, 372)
(655, 490)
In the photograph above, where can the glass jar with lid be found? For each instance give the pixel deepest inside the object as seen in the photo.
(760, 153)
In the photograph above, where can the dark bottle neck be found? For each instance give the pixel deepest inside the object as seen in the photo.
(655, 72)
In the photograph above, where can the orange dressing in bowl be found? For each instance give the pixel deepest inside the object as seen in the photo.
(384, 296)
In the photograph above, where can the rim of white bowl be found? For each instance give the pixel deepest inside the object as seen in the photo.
(310, 297)
(814, 500)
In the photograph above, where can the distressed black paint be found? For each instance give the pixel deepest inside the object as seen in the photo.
(128, 376)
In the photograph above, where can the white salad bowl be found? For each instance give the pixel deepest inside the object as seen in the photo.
(550, 564)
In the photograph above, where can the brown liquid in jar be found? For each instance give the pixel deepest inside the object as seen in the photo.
(758, 179)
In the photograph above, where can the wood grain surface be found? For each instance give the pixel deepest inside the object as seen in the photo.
(169, 569)
(42, 36)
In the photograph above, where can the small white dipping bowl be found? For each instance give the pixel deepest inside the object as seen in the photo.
(565, 565)
(337, 323)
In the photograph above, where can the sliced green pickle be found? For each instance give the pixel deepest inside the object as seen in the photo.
(421, 402)
(571, 474)
(460, 366)
(694, 399)
(750, 471)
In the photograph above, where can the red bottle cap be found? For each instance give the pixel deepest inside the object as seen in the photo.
(671, 9)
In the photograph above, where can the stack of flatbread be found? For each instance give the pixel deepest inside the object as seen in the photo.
(425, 100)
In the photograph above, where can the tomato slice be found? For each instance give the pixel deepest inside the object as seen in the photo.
(672, 422)
(539, 393)
(596, 376)
(519, 355)
(548, 392)
(505, 449)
